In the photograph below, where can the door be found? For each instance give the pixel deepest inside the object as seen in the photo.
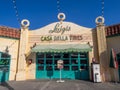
(75, 65)
(118, 58)
(84, 66)
(4, 66)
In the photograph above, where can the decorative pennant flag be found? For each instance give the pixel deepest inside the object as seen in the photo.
(113, 59)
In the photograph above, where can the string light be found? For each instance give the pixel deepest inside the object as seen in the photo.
(16, 11)
(18, 19)
(102, 10)
(58, 6)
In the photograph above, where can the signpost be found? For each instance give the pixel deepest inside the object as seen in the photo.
(60, 66)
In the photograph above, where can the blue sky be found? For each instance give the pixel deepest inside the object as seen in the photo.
(43, 12)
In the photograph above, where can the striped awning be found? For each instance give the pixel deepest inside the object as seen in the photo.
(61, 48)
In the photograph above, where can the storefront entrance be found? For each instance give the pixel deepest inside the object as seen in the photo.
(4, 66)
(76, 65)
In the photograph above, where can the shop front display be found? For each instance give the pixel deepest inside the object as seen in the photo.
(75, 65)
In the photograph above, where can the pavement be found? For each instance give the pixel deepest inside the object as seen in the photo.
(53, 85)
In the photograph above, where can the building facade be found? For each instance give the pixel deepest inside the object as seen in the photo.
(9, 45)
(33, 54)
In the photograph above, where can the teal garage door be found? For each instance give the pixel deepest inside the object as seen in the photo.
(76, 65)
(4, 67)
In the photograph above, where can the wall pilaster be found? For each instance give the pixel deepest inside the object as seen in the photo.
(102, 49)
(21, 66)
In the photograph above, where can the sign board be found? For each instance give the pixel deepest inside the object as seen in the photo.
(60, 64)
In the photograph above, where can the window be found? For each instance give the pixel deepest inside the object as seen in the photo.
(49, 55)
(74, 55)
(74, 61)
(41, 61)
(74, 67)
(4, 59)
(57, 55)
(4, 62)
(83, 61)
(84, 67)
(4, 55)
(40, 67)
(83, 55)
(40, 55)
(55, 62)
(66, 55)
(49, 62)
(66, 62)
(66, 68)
(49, 68)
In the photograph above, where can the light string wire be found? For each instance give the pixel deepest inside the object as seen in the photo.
(16, 11)
(18, 19)
(102, 5)
(58, 6)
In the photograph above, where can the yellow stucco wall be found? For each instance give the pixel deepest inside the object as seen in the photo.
(13, 51)
(114, 42)
(31, 69)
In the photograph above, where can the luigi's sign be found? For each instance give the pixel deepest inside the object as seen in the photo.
(60, 29)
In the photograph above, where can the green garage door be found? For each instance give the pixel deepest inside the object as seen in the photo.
(76, 65)
(4, 66)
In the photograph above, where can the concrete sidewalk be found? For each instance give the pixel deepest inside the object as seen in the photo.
(53, 85)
